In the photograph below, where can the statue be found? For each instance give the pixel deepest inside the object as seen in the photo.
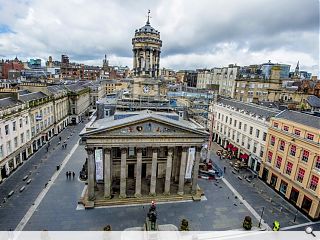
(151, 221)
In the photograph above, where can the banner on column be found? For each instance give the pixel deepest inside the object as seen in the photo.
(99, 164)
(191, 157)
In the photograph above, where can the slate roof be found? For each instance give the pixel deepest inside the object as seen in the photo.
(313, 101)
(302, 118)
(250, 107)
(106, 123)
(56, 88)
(32, 96)
(9, 102)
(75, 87)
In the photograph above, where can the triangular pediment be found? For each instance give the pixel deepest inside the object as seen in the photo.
(150, 126)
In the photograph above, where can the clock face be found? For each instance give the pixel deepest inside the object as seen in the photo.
(146, 89)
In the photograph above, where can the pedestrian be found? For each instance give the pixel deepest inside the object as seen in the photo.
(73, 175)
(224, 169)
(67, 175)
(60, 139)
(47, 149)
(65, 146)
(70, 174)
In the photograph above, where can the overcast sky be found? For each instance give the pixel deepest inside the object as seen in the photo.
(195, 33)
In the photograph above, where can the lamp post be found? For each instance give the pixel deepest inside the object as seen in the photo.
(261, 217)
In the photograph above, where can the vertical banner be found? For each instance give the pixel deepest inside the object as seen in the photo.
(99, 164)
(190, 161)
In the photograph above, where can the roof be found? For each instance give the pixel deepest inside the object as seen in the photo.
(148, 29)
(301, 118)
(56, 88)
(75, 87)
(313, 101)
(250, 107)
(32, 96)
(110, 122)
(9, 102)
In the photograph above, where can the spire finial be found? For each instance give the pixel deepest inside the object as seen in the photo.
(148, 21)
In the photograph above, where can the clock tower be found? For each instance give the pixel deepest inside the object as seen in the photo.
(146, 59)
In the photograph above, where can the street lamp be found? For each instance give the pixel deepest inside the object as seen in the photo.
(261, 217)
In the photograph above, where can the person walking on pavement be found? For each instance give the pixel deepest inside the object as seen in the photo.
(73, 175)
(60, 139)
(224, 169)
(67, 175)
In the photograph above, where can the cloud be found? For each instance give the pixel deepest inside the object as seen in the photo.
(195, 34)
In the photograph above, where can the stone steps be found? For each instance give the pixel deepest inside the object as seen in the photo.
(142, 200)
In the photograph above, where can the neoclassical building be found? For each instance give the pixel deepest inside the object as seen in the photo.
(142, 154)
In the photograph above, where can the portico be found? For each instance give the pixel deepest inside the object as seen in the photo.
(143, 155)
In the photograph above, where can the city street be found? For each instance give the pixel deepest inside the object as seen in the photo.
(39, 168)
(58, 209)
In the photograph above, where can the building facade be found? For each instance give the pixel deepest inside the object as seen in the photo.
(142, 155)
(291, 164)
(241, 128)
(15, 135)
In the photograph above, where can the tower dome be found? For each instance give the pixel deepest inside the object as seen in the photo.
(146, 50)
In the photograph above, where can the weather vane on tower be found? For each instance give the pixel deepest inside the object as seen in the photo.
(148, 21)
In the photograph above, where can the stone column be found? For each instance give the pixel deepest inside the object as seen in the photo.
(195, 171)
(107, 173)
(154, 172)
(182, 170)
(123, 173)
(177, 165)
(168, 172)
(138, 172)
(91, 173)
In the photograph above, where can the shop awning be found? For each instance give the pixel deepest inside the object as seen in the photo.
(244, 156)
(229, 145)
(234, 149)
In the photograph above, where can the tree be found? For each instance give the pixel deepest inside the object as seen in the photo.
(184, 225)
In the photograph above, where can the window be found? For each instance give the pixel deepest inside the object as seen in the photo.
(272, 140)
(317, 166)
(264, 136)
(289, 168)
(282, 145)
(240, 124)
(261, 152)
(254, 148)
(22, 138)
(27, 120)
(230, 121)
(20, 123)
(235, 123)
(251, 130)
(14, 126)
(269, 158)
(279, 161)
(28, 135)
(305, 155)
(6, 128)
(219, 116)
(9, 147)
(300, 175)
(286, 128)
(16, 142)
(275, 124)
(297, 132)
(310, 136)
(257, 133)
(1, 151)
(245, 127)
(226, 119)
(293, 150)
(314, 182)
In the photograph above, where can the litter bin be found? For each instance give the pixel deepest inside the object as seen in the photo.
(58, 167)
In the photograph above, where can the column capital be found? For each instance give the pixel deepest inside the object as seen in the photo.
(185, 149)
(107, 150)
(139, 150)
(90, 150)
(170, 150)
(123, 150)
(155, 149)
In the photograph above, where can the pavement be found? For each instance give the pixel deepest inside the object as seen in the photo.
(39, 168)
(259, 196)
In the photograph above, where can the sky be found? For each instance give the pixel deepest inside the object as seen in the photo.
(195, 33)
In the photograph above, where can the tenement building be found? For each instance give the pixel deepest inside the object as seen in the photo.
(241, 128)
(291, 164)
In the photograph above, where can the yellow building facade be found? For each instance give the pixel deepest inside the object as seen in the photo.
(291, 163)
